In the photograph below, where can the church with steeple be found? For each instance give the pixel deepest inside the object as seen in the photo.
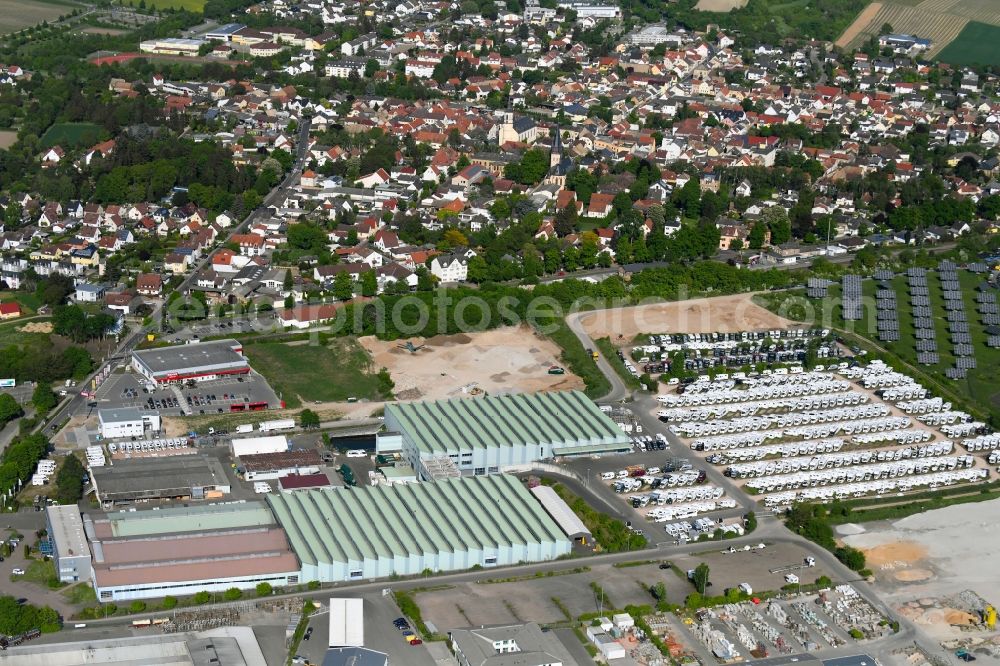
(559, 162)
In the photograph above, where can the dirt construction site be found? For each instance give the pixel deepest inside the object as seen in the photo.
(505, 360)
(936, 569)
(721, 314)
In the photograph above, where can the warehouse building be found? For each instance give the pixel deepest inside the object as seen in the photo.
(249, 446)
(70, 551)
(484, 435)
(347, 622)
(228, 646)
(565, 517)
(126, 422)
(270, 466)
(171, 46)
(448, 525)
(200, 361)
(172, 477)
(185, 550)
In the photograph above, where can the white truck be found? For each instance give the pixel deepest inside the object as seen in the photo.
(278, 424)
(245, 428)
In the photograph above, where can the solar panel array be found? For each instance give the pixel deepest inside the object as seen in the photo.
(965, 363)
(993, 341)
(923, 322)
(850, 286)
(989, 311)
(817, 287)
(991, 320)
(883, 275)
(978, 267)
(958, 326)
(986, 297)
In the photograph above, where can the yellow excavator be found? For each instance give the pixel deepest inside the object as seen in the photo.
(990, 616)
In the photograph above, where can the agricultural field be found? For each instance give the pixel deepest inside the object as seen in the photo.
(189, 5)
(944, 22)
(304, 373)
(72, 135)
(975, 45)
(19, 14)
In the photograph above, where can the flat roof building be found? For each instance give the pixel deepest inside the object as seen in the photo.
(200, 361)
(248, 446)
(208, 551)
(377, 531)
(509, 645)
(70, 551)
(228, 646)
(347, 623)
(270, 466)
(126, 422)
(191, 476)
(484, 435)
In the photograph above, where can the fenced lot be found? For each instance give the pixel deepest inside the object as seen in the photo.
(19, 14)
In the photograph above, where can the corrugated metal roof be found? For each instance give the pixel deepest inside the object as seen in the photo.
(560, 418)
(560, 512)
(219, 516)
(377, 521)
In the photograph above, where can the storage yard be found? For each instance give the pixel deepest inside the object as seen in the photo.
(468, 363)
(850, 432)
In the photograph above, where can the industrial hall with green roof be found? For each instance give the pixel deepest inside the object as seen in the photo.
(484, 435)
(446, 525)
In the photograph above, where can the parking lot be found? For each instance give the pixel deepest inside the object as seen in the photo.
(264, 323)
(210, 397)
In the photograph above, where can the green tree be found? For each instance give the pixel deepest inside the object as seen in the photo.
(233, 594)
(137, 606)
(202, 598)
(343, 286)
(264, 589)
(9, 409)
(43, 399)
(69, 480)
(369, 283)
(169, 602)
(700, 578)
(308, 419)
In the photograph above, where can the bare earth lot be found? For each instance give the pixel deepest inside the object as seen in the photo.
(18, 14)
(921, 563)
(7, 138)
(719, 5)
(720, 314)
(505, 360)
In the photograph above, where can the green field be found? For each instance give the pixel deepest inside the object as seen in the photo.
(16, 15)
(975, 45)
(72, 135)
(303, 373)
(979, 391)
(190, 5)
